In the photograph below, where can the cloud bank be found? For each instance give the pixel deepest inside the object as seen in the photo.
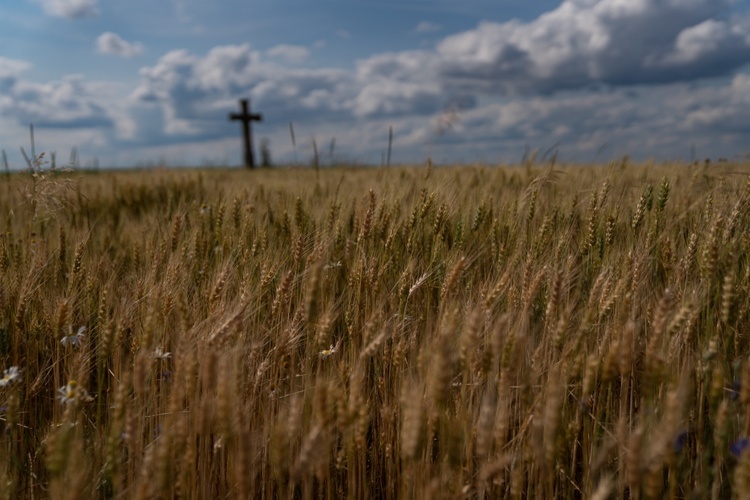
(585, 42)
(580, 45)
(639, 77)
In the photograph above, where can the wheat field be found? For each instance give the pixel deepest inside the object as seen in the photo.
(472, 332)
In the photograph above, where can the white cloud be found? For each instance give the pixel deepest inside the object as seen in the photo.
(398, 83)
(10, 71)
(425, 27)
(72, 9)
(71, 103)
(582, 42)
(67, 103)
(641, 121)
(411, 65)
(397, 98)
(289, 53)
(195, 92)
(711, 44)
(12, 68)
(111, 44)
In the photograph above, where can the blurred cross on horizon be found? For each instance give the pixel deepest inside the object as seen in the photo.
(246, 117)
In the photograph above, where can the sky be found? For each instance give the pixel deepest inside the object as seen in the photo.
(145, 83)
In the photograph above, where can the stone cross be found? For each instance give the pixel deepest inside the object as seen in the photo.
(246, 118)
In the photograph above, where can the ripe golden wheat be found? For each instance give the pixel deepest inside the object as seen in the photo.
(419, 333)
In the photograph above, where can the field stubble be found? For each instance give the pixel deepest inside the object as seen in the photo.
(417, 333)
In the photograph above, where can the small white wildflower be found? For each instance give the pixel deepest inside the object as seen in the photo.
(73, 339)
(10, 375)
(160, 354)
(219, 444)
(404, 317)
(333, 265)
(327, 352)
(72, 392)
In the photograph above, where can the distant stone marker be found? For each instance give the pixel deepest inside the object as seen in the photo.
(246, 118)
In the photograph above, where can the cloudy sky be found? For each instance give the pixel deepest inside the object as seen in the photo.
(145, 82)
